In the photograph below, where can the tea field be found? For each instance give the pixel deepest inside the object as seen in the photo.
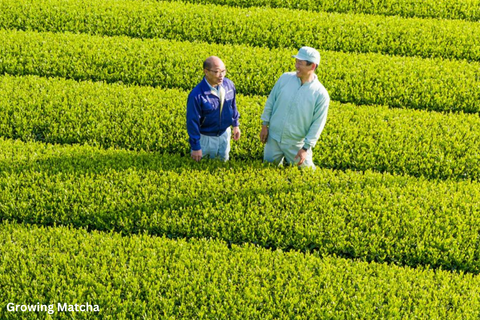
(105, 216)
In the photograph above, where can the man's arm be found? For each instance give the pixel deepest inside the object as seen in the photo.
(272, 97)
(236, 117)
(193, 127)
(267, 111)
(318, 122)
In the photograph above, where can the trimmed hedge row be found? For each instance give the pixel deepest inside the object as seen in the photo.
(273, 28)
(443, 9)
(62, 111)
(359, 78)
(156, 278)
(369, 216)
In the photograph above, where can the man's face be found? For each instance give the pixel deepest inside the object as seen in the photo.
(216, 73)
(302, 68)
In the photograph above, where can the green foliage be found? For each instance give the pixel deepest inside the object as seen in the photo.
(273, 28)
(369, 216)
(358, 78)
(443, 9)
(65, 112)
(112, 156)
(410, 142)
(156, 278)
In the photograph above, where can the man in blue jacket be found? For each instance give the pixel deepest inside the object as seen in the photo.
(211, 110)
(295, 113)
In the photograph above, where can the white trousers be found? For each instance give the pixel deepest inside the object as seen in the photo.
(276, 152)
(216, 147)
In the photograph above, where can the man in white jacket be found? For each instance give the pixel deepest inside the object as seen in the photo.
(295, 113)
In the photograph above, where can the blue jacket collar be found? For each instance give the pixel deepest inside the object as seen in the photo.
(205, 86)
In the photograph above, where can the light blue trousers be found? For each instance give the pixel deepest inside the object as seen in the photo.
(276, 152)
(216, 147)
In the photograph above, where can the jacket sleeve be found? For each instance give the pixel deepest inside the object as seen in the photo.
(193, 122)
(236, 114)
(318, 122)
(272, 98)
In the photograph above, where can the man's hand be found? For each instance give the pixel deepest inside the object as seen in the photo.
(301, 155)
(264, 134)
(197, 155)
(236, 133)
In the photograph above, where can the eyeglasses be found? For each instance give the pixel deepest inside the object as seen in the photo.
(218, 72)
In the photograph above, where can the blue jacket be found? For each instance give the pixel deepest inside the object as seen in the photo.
(203, 112)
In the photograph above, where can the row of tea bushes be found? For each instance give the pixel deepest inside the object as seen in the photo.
(430, 84)
(156, 278)
(273, 28)
(417, 143)
(364, 215)
(442, 9)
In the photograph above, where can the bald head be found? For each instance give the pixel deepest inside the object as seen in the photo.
(214, 70)
(211, 62)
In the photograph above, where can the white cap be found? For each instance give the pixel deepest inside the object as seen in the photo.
(308, 54)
